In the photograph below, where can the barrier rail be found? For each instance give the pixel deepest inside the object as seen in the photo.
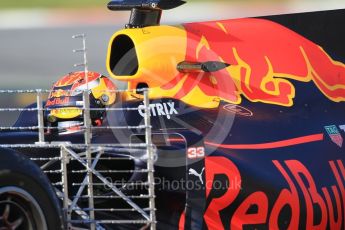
(83, 200)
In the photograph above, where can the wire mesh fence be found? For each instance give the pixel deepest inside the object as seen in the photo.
(93, 180)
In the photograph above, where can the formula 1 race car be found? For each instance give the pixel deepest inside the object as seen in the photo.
(233, 124)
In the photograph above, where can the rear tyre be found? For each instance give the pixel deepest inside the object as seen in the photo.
(27, 199)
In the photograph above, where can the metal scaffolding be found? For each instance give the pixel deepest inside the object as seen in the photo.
(83, 200)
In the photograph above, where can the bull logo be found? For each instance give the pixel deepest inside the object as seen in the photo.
(263, 55)
(60, 93)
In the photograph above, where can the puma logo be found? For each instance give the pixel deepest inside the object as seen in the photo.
(195, 173)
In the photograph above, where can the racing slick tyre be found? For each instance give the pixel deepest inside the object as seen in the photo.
(27, 199)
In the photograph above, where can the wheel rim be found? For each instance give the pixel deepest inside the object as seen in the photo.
(19, 210)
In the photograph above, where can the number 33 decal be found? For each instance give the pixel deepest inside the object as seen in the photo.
(196, 152)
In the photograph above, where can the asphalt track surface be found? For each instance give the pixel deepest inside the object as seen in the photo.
(35, 58)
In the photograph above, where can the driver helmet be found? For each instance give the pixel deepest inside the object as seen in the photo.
(64, 106)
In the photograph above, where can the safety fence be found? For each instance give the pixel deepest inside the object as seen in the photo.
(94, 181)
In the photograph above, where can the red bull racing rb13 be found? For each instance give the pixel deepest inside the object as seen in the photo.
(230, 124)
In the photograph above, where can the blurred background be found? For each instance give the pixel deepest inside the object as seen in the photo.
(36, 44)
